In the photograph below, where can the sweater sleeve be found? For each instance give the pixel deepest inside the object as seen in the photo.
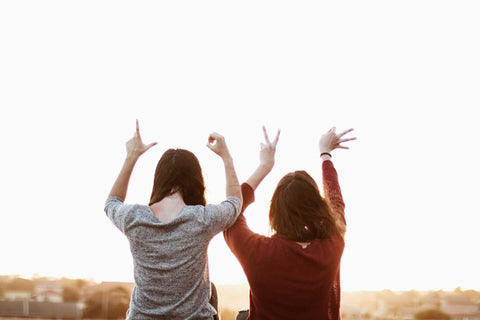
(118, 212)
(221, 216)
(239, 238)
(331, 188)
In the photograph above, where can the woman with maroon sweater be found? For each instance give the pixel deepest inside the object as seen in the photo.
(295, 273)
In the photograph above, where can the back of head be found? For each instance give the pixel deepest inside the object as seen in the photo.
(178, 170)
(298, 212)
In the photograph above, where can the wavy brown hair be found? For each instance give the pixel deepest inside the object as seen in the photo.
(178, 170)
(298, 212)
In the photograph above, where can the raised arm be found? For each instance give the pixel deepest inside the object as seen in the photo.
(267, 160)
(239, 238)
(329, 142)
(216, 143)
(135, 148)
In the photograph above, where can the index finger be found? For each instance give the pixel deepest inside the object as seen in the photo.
(215, 135)
(265, 134)
(137, 127)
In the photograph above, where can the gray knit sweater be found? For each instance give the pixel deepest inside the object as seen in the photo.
(170, 259)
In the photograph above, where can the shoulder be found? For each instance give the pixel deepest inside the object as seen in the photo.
(228, 209)
(191, 214)
(330, 248)
(137, 213)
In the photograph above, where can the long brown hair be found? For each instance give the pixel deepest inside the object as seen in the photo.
(298, 212)
(178, 170)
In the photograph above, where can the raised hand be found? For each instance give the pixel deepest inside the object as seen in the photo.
(216, 143)
(267, 150)
(267, 160)
(135, 146)
(331, 140)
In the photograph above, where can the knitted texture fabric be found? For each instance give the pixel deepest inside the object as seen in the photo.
(288, 280)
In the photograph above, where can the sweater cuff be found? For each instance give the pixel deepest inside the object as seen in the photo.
(248, 195)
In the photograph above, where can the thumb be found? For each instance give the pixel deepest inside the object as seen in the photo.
(151, 145)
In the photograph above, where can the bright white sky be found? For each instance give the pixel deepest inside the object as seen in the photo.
(74, 75)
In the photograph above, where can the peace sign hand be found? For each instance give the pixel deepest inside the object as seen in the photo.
(267, 150)
(135, 146)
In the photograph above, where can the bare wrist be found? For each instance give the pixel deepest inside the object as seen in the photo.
(265, 167)
(325, 156)
(227, 158)
(131, 158)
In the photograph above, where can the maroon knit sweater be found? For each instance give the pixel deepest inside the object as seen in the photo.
(288, 281)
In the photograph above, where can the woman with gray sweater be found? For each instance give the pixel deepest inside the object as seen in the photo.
(170, 236)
